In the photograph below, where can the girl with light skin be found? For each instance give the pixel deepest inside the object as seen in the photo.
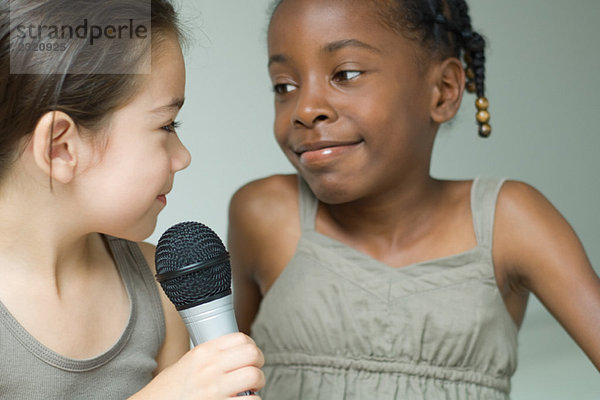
(87, 163)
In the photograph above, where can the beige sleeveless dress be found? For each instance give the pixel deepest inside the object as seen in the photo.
(338, 324)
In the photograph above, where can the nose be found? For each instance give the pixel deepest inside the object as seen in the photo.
(180, 155)
(313, 105)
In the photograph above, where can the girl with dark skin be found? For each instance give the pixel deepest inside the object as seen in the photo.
(361, 88)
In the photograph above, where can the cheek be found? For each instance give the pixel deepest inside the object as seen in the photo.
(141, 169)
(281, 126)
(396, 112)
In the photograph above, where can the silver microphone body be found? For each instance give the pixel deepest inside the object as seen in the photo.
(210, 320)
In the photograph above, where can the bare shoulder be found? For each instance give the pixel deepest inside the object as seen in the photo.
(265, 212)
(533, 241)
(275, 194)
(526, 222)
(520, 197)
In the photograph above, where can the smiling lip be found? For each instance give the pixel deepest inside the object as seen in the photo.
(162, 198)
(322, 152)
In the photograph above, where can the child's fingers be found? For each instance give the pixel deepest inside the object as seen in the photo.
(230, 352)
(212, 349)
(231, 340)
(245, 355)
(243, 379)
(231, 362)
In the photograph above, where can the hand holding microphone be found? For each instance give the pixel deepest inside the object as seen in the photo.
(193, 269)
(216, 370)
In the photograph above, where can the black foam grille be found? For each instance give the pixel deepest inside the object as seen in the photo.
(187, 244)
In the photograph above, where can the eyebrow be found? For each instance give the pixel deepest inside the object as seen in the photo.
(277, 58)
(175, 103)
(341, 44)
(330, 48)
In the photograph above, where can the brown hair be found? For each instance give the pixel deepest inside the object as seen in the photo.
(62, 72)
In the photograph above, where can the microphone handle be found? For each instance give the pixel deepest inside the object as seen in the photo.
(211, 320)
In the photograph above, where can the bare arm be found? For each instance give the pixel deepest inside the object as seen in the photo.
(539, 251)
(243, 235)
(262, 237)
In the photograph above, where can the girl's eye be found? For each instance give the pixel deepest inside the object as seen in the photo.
(283, 88)
(172, 127)
(346, 75)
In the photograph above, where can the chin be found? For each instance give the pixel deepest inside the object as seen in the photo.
(329, 191)
(134, 232)
(143, 233)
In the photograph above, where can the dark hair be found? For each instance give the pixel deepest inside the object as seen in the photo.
(86, 82)
(444, 28)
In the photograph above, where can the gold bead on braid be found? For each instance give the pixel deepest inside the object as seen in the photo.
(469, 73)
(482, 104)
(468, 59)
(471, 87)
(483, 116)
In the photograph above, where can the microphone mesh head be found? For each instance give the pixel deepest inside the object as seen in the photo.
(184, 245)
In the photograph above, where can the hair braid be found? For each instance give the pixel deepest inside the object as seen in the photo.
(473, 45)
(451, 34)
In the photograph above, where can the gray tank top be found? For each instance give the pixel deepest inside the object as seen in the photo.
(338, 324)
(31, 371)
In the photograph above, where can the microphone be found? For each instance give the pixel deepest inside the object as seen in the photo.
(193, 269)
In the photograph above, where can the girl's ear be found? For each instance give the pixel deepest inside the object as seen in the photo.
(448, 90)
(55, 144)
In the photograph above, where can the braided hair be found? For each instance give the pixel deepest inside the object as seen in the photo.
(451, 31)
(444, 28)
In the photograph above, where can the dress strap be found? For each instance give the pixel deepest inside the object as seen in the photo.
(484, 195)
(137, 276)
(307, 204)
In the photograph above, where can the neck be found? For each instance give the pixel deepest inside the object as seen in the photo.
(390, 218)
(40, 237)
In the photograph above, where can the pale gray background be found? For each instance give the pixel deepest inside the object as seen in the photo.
(544, 88)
